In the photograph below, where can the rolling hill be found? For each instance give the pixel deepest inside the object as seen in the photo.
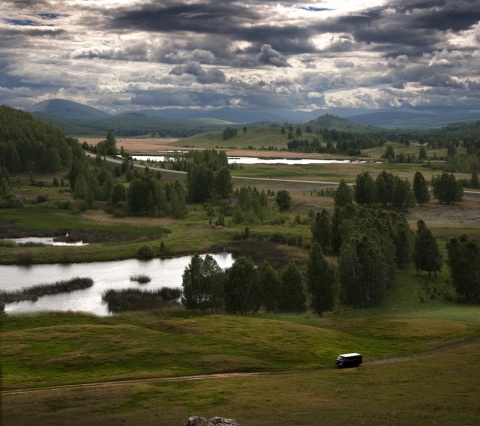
(67, 109)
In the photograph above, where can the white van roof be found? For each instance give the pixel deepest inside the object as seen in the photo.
(352, 354)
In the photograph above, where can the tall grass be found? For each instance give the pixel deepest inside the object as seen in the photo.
(34, 292)
(134, 299)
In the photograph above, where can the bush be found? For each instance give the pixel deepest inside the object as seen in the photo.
(42, 198)
(23, 257)
(144, 253)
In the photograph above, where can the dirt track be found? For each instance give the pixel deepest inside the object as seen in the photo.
(432, 352)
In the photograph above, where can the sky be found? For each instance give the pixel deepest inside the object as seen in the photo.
(119, 55)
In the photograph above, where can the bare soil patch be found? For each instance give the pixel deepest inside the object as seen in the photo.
(465, 213)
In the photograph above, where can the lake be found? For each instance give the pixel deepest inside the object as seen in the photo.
(106, 275)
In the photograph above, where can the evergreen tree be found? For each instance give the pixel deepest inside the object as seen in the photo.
(291, 295)
(464, 263)
(321, 281)
(403, 196)
(343, 195)
(269, 286)
(446, 188)
(284, 200)
(322, 230)
(427, 252)
(200, 183)
(202, 283)
(420, 189)
(384, 186)
(364, 189)
(365, 271)
(223, 182)
(241, 291)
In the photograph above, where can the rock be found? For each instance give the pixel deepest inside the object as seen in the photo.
(214, 421)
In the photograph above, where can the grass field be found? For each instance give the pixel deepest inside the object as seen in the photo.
(420, 347)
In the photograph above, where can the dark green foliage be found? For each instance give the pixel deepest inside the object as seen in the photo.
(241, 290)
(133, 299)
(321, 281)
(343, 194)
(446, 188)
(27, 143)
(223, 182)
(464, 263)
(392, 191)
(365, 271)
(389, 153)
(420, 189)
(108, 146)
(145, 253)
(403, 197)
(322, 230)
(364, 189)
(200, 183)
(427, 252)
(384, 184)
(251, 206)
(284, 200)
(371, 249)
(203, 282)
(229, 133)
(148, 196)
(291, 296)
(474, 181)
(119, 194)
(269, 286)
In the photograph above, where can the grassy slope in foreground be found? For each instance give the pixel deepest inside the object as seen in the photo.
(436, 387)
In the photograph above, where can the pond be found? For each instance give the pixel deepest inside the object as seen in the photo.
(106, 275)
(48, 241)
(260, 160)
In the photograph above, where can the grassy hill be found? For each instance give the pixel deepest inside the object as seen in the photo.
(333, 122)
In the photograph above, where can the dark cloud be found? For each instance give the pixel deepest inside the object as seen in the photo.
(276, 53)
(269, 56)
(202, 76)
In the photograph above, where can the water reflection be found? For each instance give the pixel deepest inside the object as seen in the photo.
(106, 275)
(47, 241)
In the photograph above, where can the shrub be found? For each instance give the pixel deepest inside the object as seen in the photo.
(23, 257)
(42, 198)
(144, 253)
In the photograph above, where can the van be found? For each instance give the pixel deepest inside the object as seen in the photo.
(349, 360)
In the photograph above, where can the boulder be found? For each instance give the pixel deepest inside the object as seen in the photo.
(214, 421)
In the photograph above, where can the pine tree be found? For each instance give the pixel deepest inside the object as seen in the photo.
(269, 286)
(291, 295)
(420, 189)
(321, 281)
(343, 195)
(427, 252)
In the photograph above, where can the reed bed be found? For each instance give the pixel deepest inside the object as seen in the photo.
(134, 299)
(34, 292)
(140, 278)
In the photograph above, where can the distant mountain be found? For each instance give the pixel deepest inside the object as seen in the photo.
(415, 119)
(67, 109)
(234, 115)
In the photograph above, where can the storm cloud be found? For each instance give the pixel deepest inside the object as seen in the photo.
(128, 54)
